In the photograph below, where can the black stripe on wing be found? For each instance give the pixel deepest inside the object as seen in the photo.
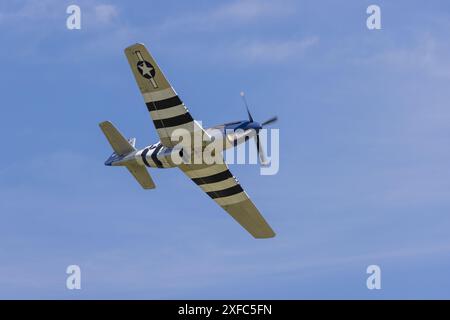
(225, 192)
(221, 176)
(173, 121)
(164, 104)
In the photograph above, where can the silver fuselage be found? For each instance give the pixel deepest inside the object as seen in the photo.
(159, 156)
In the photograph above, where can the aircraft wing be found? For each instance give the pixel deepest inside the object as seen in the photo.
(220, 185)
(166, 109)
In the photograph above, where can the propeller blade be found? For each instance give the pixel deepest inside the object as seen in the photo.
(246, 106)
(271, 120)
(261, 154)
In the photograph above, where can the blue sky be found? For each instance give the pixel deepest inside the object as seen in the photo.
(364, 166)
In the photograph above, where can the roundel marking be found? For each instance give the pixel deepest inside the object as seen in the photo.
(146, 69)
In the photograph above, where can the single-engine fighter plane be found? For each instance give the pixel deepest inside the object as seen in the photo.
(169, 114)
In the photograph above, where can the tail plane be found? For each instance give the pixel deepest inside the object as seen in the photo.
(123, 155)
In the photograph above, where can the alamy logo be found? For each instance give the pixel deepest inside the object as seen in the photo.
(74, 279)
(73, 21)
(215, 148)
(374, 280)
(373, 22)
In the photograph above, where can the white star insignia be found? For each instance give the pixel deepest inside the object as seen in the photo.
(145, 70)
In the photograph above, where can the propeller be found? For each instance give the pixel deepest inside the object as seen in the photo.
(270, 121)
(250, 118)
(258, 126)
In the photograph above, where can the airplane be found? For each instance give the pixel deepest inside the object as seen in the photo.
(169, 114)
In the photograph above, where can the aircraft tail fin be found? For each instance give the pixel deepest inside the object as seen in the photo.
(124, 155)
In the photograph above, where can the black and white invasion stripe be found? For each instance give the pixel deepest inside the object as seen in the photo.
(168, 113)
(218, 183)
(153, 157)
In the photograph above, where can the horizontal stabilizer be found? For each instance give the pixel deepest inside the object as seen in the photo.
(141, 174)
(120, 145)
(123, 155)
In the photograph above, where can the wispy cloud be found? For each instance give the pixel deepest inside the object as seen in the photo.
(426, 54)
(229, 14)
(30, 12)
(272, 51)
(251, 52)
(249, 10)
(37, 26)
(97, 17)
(105, 13)
(248, 18)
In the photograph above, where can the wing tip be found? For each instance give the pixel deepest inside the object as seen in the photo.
(104, 123)
(131, 47)
(263, 232)
(267, 235)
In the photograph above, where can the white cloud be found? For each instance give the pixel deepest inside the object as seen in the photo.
(253, 52)
(427, 54)
(249, 10)
(31, 10)
(229, 14)
(274, 51)
(249, 52)
(50, 10)
(105, 13)
(33, 22)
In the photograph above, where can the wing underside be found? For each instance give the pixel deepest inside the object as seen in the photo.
(219, 184)
(169, 113)
(166, 109)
